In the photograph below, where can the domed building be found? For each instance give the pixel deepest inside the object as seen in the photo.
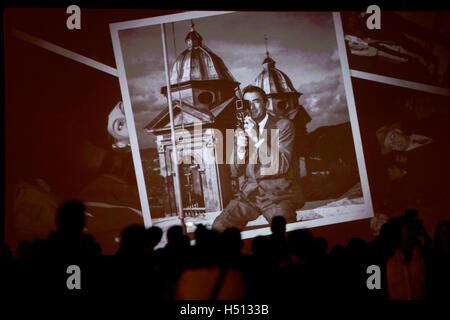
(202, 90)
(198, 62)
(282, 97)
(278, 87)
(199, 78)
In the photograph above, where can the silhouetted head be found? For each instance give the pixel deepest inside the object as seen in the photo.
(357, 244)
(133, 239)
(71, 218)
(24, 248)
(357, 249)
(207, 246)
(260, 246)
(320, 246)
(39, 247)
(231, 240)
(388, 232)
(5, 252)
(408, 230)
(208, 239)
(338, 254)
(278, 225)
(200, 234)
(388, 239)
(442, 236)
(176, 237)
(154, 235)
(300, 245)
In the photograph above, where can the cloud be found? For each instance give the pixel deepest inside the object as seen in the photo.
(326, 61)
(146, 102)
(140, 66)
(244, 60)
(335, 55)
(145, 139)
(145, 92)
(142, 51)
(141, 119)
(325, 101)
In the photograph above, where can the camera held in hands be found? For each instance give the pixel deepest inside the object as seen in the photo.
(242, 111)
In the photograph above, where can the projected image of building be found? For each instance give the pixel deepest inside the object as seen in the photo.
(203, 94)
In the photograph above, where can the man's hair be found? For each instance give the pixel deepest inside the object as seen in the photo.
(252, 88)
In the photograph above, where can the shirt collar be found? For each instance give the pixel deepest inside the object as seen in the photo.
(262, 123)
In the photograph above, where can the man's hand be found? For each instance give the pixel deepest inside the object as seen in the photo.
(241, 144)
(251, 127)
(241, 140)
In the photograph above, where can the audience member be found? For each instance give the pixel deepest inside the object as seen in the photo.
(219, 278)
(439, 277)
(70, 242)
(405, 269)
(278, 241)
(293, 268)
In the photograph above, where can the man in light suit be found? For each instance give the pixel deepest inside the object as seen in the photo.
(266, 187)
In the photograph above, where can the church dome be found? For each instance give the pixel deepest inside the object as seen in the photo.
(198, 62)
(272, 80)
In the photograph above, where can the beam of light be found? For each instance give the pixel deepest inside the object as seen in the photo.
(64, 52)
(400, 83)
(177, 180)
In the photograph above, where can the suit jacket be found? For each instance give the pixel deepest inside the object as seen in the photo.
(271, 176)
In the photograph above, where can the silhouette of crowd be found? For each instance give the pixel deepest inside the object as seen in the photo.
(281, 266)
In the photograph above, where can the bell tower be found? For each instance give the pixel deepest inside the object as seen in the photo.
(202, 90)
(283, 100)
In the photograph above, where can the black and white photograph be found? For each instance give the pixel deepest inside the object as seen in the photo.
(405, 138)
(215, 62)
(408, 45)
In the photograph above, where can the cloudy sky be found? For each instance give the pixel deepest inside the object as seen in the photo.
(302, 44)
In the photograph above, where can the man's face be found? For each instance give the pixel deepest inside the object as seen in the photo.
(409, 232)
(396, 140)
(257, 105)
